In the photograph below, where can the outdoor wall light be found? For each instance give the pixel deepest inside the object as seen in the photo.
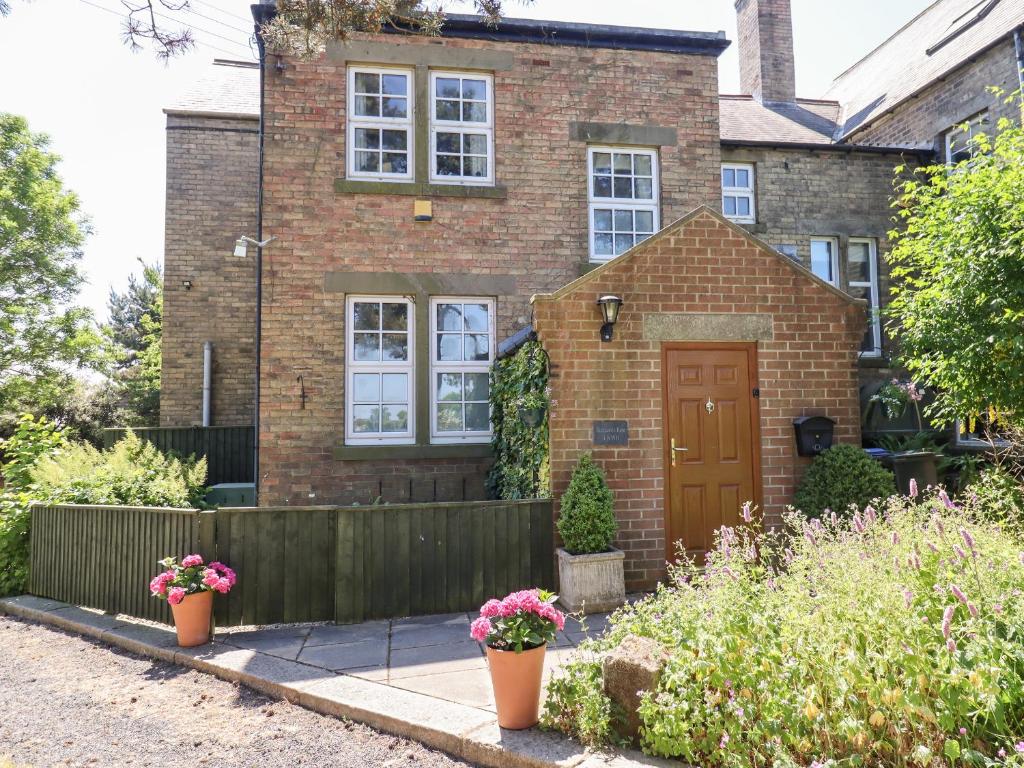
(610, 306)
(186, 284)
(242, 245)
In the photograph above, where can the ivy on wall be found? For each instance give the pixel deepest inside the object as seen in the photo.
(519, 393)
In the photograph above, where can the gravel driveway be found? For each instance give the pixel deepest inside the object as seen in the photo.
(66, 700)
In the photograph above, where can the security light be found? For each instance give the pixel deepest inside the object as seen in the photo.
(242, 245)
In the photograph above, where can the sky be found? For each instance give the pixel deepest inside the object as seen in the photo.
(66, 70)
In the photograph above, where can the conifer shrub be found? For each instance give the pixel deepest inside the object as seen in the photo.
(586, 518)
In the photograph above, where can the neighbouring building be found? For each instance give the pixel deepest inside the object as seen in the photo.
(421, 190)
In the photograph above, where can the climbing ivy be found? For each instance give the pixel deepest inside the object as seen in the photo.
(520, 383)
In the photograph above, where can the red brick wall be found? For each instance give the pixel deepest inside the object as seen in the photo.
(699, 265)
(537, 235)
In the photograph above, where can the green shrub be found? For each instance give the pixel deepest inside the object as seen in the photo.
(586, 518)
(841, 476)
(893, 639)
(997, 496)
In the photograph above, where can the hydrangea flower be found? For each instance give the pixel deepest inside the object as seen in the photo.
(175, 595)
(191, 561)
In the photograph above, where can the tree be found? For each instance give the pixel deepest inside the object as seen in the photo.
(958, 272)
(301, 26)
(43, 337)
(133, 341)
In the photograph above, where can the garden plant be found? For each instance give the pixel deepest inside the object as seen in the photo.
(892, 638)
(841, 476)
(586, 516)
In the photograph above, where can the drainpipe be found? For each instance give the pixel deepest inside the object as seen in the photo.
(1018, 46)
(207, 380)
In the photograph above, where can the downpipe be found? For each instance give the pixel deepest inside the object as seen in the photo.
(207, 380)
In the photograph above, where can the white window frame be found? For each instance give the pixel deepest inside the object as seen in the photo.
(835, 258)
(873, 289)
(957, 134)
(355, 121)
(352, 367)
(462, 127)
(465, 366)
(740, 192)
(595, 202)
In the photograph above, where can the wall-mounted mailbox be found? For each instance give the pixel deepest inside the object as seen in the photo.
(813, 434)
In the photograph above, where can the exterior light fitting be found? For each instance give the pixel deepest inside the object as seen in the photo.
(186, 284)
(610, 306)
(242, 245)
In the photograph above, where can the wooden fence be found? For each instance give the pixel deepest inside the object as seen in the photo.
(344, 564)
(229, 451)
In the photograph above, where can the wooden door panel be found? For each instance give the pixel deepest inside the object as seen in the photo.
(707, 484)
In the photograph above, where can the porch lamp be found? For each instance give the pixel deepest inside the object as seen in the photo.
(242, 245)
(610, 306)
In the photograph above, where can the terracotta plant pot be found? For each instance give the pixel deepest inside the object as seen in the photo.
(192, 619)
(516, 678)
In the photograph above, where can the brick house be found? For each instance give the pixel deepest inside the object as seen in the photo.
(421, 190)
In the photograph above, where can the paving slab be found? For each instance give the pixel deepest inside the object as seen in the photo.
(332, 634)
(435, 659)
(341, 656)
(34, 603)
(533, 747)
(472, 687)
(415, 633)
(273, 641)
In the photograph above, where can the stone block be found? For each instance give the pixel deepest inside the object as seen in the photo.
(630, 669)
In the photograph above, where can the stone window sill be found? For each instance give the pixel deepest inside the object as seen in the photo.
(372, 452)
(418, 189)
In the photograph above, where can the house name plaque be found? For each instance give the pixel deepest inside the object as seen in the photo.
(611, 433)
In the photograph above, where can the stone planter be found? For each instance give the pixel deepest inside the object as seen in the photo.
(591, 583)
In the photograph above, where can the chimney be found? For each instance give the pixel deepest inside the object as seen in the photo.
(765, 31)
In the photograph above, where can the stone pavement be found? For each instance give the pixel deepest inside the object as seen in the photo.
(422, 678)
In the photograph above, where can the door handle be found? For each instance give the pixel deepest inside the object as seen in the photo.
(676, 450)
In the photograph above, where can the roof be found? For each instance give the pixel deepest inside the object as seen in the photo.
(745, 120)
(226, 89)
(937, 41)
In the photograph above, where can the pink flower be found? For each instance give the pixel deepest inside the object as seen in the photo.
(869, 514)
(972, 609)
(947, 620)
(951, 645)
(968, 539)
(913, 488)
(176, 595)
(480, 629)
(946, 501)
(223, 586)
(958, 593)
(491, 608)
(157, 586)
(191, 561)
(747, 517)
(226, 572)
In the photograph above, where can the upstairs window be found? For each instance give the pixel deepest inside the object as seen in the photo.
(461, 128)
(380, 114)
(862, 281)
(958, 139)
(379, 370)
(623, 199)
(825, 259)
(462, 352)
(738, 192)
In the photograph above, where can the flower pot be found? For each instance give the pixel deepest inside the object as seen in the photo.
(516, 679)
(192, 619)
(914, 465)
(593, 583)
(531, 417)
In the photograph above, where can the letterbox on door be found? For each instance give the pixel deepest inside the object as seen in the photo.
(813, 434)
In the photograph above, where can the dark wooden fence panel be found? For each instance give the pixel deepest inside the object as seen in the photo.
(104, 557)
(229, 451)
(345, 564)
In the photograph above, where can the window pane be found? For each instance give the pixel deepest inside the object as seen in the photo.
(366, 418)
(475, 167)
(474, 144)
(642, 165)
(368, 106)
(728, 177)
(474, 89)
(641, 236)
(366, 316)
(644, 189)
(742, 179)
(602, 245)
(394, 163)
(396, 140)
(395, 418)
(603, 162)
(449, 165)
(366, 387)
(449, 317)
(396, 346)
(623, 187)
(477, 387)
(394, 107)
(367, 162)
(448, 143)
(645, 221)
(602, 186)
(449, 387)
(623, 243)
(821, 259)
(395, 317)
(623, 221)
(475, 317)
(449, 417)
(449, 346)
(729, 206)
(367, 347)
(396, 84)
(368, 138)
(478, 417)
(743, 206)
(603, 220)
(474, 112)
(623, 164)
(448, 110)
(367, 82)
(859, 266)
(447, 87)
(395, 388)
(477, 347)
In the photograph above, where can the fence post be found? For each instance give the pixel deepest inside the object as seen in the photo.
(208, 547)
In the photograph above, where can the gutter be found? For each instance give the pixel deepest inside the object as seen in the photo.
(921, 152)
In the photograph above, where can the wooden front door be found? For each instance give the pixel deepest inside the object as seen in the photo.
(710, 417)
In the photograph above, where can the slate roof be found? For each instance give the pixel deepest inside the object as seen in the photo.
(744, 120)
(228, 88)
(935, 42)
